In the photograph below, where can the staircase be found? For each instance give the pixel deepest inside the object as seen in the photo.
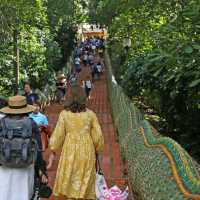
(113, 168)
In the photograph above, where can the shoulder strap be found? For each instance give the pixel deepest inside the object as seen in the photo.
(3, 126)
(27, 123)
(32, 127)
(7, 131)
(98, 165)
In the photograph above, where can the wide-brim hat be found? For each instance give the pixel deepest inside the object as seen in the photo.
(17, 105)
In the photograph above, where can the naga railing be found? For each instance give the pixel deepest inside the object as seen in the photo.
(159, 168)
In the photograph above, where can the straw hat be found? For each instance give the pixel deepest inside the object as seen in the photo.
(17, 105)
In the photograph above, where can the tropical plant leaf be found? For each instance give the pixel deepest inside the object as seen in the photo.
(188, 50)
(194, 83)
(196, 46)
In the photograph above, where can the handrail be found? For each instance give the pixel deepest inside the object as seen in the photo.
(176, 175)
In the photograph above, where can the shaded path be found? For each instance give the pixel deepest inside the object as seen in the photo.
(112, 165)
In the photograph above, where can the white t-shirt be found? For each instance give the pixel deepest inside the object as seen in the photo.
(91, 57)
(93, 47)
(88, 84)
(99, 68)
(77, 61)
(85, 57)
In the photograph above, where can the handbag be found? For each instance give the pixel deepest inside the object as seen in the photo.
(101, 186)
(102, 190)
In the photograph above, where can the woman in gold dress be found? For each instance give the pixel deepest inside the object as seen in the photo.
(78, 135)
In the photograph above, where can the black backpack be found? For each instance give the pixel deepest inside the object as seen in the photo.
(18, 148)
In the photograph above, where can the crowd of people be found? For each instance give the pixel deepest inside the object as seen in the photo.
(77, 136)
(88, 62)
(88, 67)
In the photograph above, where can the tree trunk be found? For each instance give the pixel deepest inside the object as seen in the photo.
(16, 61)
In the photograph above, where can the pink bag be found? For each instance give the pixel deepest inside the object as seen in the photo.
(102, 190)
(104, 193)
(114, 193)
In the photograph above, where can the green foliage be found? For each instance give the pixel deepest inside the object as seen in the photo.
(46, 32)
(134, 133)
(162, 64)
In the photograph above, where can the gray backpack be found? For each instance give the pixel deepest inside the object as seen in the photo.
(18, 148)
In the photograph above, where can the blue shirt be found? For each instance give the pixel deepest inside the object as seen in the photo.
(31, 98)
(39, 118)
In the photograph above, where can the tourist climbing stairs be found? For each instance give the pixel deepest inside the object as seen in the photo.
(113, 168)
